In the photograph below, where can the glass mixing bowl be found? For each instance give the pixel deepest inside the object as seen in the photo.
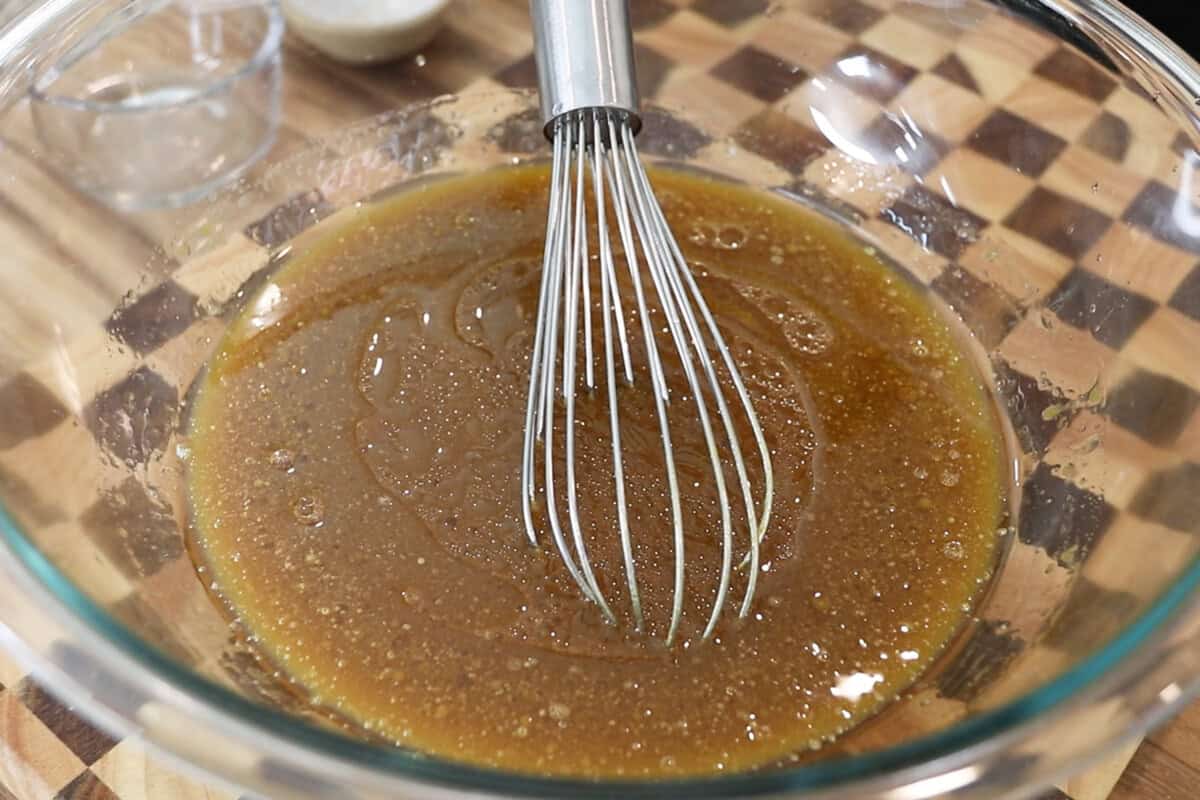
(1033, 166)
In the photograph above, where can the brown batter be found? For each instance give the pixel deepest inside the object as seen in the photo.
(354, 475)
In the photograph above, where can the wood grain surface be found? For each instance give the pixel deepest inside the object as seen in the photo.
(1167, 764)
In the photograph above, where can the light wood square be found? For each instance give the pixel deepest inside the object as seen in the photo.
(130, 772)
(722, 107)
(995, 76)
(1095, 453)
(941, 108)
(867, 187)
(1116, 563)
(798, 38)
(1024, 268)
(1052, 107)
(924, 265)
(34, 763)
(906, 41)
(1014, 43)
(1070, 358)
(1135, 259)
(846, 112)
(1093, 180)
(1152, 133)
(692, 40)
(979, 184)
(1167, 343)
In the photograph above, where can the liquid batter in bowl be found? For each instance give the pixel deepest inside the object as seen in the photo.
(355, 457)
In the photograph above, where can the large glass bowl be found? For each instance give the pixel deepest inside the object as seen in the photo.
(1033, 167)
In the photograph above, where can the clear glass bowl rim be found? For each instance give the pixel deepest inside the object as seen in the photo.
(1108, 24)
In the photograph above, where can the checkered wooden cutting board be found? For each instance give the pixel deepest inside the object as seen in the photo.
(1084, 204)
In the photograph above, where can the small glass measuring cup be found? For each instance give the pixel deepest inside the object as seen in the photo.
(163, 100)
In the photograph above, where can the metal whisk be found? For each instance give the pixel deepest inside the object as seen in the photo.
(590, 107)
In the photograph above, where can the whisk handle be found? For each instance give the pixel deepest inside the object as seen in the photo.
(584, 53)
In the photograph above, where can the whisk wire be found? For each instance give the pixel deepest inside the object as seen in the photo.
(764, 451)
(678, 315)
(618, 191)
(610, 304)
(677, 273)
(537, 363)
(544, 373)
(603, 140)
(578, 276)
(623, 191)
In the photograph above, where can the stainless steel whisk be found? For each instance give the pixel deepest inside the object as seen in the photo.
(590, 107)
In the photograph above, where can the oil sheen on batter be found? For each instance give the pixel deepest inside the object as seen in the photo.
(355, 483)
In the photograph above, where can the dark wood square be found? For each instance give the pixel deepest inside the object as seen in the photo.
(285, 221)
(1108, 135)
(520, 74)
(416, 139)
(1154, 210)
(759, 74)
(985, 655)
(954, 70)
(1137, 88)
(779, 138)
(851, 16)
(667, 135)
(1111, 313)
(133, 418)
(1093, 613)
(1185, 299)
(86, 786)
(137, 532)
(652, 69)
(894, 140)
(730, 12)
(934, 222)
(1016, 142)
(154, 318)
(1025, 403)
(1182, 144)
(986, 310)
(1170, 498)
(520, 133)
(648, 13)
(1060, 517)
(1155, 407)
(81, 738)
(1075, 72)
(871, 73)
(1059, 222)
(30, 410)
